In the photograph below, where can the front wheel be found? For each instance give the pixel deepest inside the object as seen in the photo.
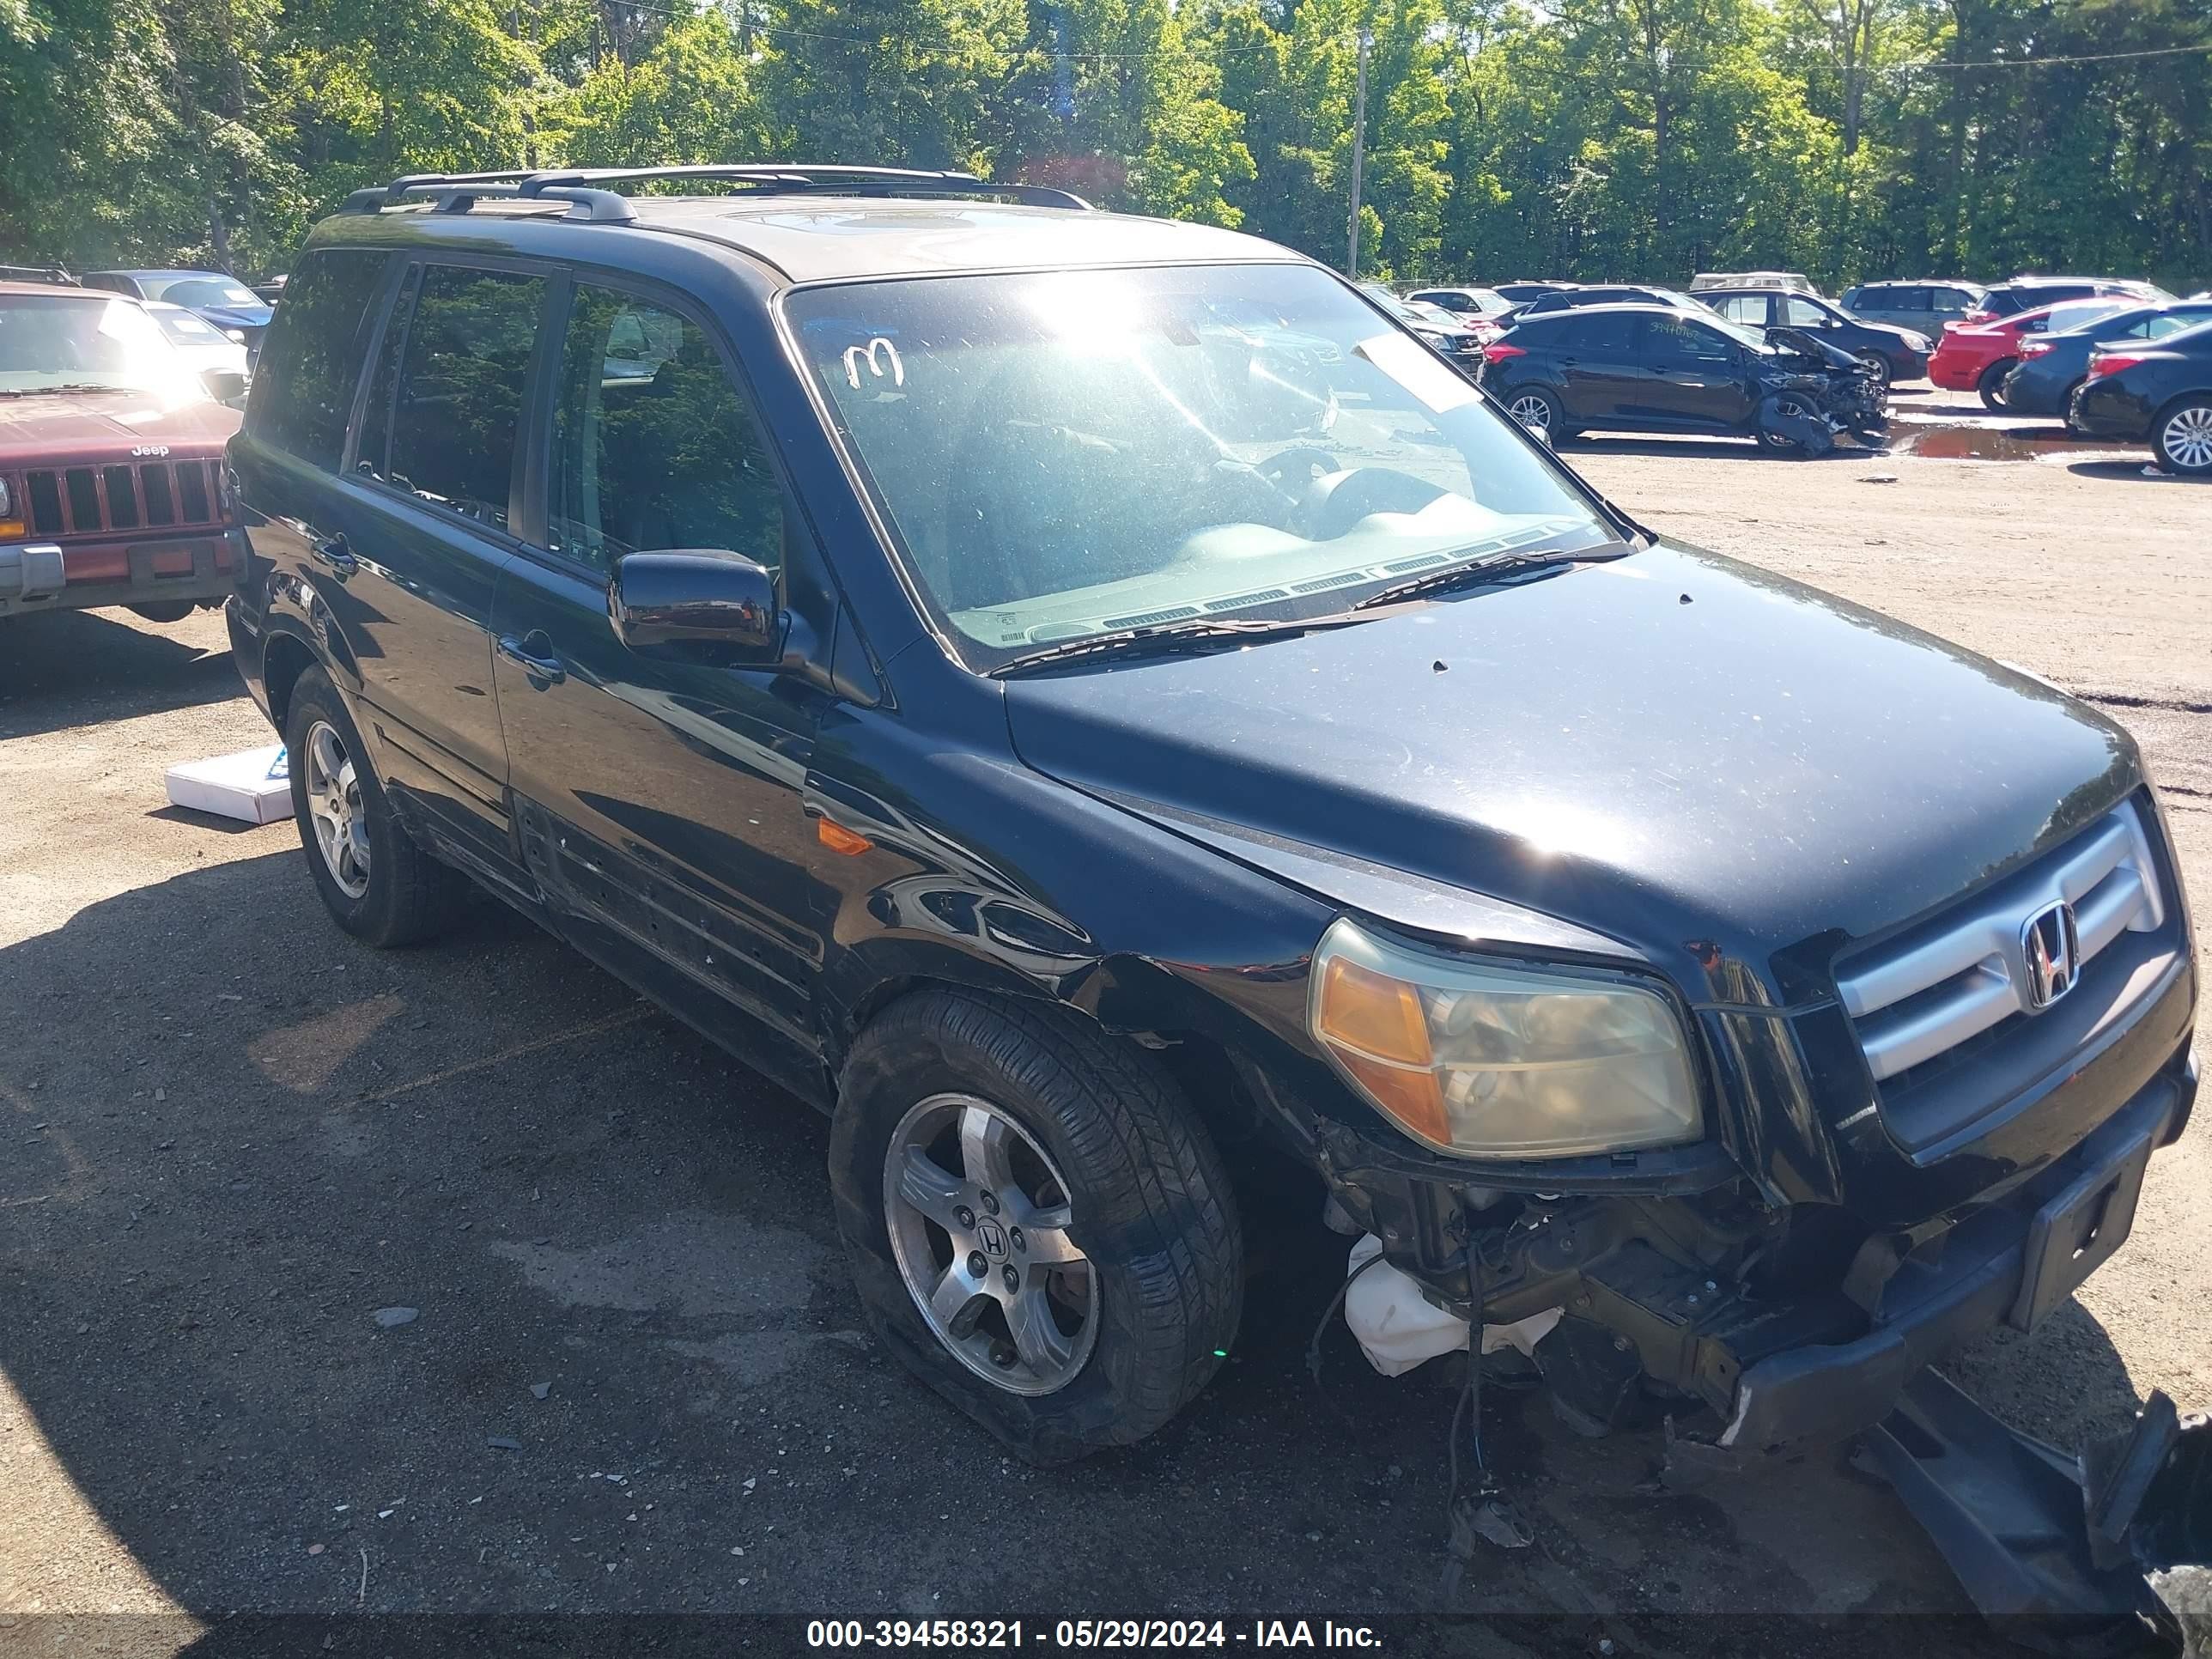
(1876, 365)
(1990, 387)
(376, 883)
(2182, 439)
(1038, 1225)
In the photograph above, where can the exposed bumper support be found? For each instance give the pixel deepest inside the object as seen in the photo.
(2031, 1537)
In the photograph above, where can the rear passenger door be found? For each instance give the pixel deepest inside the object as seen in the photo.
(1598, 374)
(424, 532)
(658, 800)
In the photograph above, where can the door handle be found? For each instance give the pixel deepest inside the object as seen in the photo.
(543, 670)
(333, 551)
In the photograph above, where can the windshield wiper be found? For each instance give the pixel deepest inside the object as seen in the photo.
(1484, 572)
(1167, 639)
(66, 385)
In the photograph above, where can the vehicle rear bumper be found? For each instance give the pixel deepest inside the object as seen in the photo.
(1955, 374)
(194, 567)
(2011, 1263)
(2029, 391)
(2103, 408)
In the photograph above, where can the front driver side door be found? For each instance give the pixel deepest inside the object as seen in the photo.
(1696, 375)
(658, 800)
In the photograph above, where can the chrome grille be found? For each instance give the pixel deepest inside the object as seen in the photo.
(1939, 987)
(80, 500)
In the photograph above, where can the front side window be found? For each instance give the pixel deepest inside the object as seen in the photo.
(652, 448)
(311, 362)
(1679, 339)
(457, 404)
(1063, 454)
(68, 341)
(1803, 313)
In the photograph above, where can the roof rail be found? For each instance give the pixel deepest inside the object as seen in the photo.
(54, 274)
(583, 188)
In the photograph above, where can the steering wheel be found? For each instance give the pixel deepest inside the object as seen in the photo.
(1337, 500)
(1300, 461)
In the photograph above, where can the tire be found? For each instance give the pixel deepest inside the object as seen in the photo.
(1991, 386)
(1081, 1121)
(163, 611)
(1877, 366)
(376, 883)
(1538, 410)
(2182, 439)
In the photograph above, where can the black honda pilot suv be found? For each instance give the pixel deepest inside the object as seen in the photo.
(1082, 700)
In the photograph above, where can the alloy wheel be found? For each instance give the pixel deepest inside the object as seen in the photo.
(2187, 438)
(334, 806)
(1532, 412)
(978, 1217)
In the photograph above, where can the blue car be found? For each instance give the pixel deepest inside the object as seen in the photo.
(220, 299)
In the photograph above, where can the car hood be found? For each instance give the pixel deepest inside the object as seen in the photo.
(1675, 751)
(64, 428)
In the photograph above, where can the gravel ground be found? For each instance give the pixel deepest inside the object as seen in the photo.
(232, 1137)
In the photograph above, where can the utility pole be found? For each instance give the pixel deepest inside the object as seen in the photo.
(1359, 149)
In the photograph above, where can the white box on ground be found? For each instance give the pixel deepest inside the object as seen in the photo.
(253, 785)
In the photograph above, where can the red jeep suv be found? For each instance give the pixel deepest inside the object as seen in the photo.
(111, 460)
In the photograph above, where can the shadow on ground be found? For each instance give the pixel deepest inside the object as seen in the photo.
(234, 1136)
(79, 667)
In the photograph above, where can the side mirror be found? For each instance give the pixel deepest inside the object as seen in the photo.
(225, 386)
(703, 603)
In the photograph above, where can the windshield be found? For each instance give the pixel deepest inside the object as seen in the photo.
(200, 292)
(83, 341)
(1066, 454)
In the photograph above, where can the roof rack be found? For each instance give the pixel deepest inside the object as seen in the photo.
(54, 274)
(585, 188)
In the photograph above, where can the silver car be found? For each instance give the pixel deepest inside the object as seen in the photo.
(1922, 306)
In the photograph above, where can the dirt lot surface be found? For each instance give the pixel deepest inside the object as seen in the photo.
(636, 1382)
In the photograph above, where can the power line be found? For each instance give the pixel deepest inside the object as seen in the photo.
(2033, 63)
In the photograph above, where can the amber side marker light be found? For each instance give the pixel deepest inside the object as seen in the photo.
(838, 839)
(1374, 1023)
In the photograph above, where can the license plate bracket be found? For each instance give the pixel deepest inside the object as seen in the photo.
(2076, 1231)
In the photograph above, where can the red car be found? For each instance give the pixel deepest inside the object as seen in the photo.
(112, 485)
(1977, 356)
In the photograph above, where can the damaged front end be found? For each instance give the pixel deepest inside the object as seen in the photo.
(1811, 394)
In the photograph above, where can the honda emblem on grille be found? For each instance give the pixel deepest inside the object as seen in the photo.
(2052, 948)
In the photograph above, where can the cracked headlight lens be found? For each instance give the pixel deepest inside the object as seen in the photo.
(1491, 1061)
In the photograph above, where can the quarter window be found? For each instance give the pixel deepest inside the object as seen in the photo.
(462, 371)
(652, 448)
(312, 361)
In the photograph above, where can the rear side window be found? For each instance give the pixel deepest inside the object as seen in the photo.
(1745, 308)
(311, 363)
(461, 374)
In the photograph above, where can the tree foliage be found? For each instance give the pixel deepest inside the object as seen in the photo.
(1627, 138)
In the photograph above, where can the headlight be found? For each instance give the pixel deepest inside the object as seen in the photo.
(1493, 1061)
(1921, 343)
(235, 336)
(7, 501)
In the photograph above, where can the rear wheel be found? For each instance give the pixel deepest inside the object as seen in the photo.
(163, 611)
(1539, 410)
(2183, 438)
(1991, 385)
(1038, 1225)
(376, 883)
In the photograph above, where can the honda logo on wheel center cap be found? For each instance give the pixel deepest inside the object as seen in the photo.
(992, 1239)
(2051, 945)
